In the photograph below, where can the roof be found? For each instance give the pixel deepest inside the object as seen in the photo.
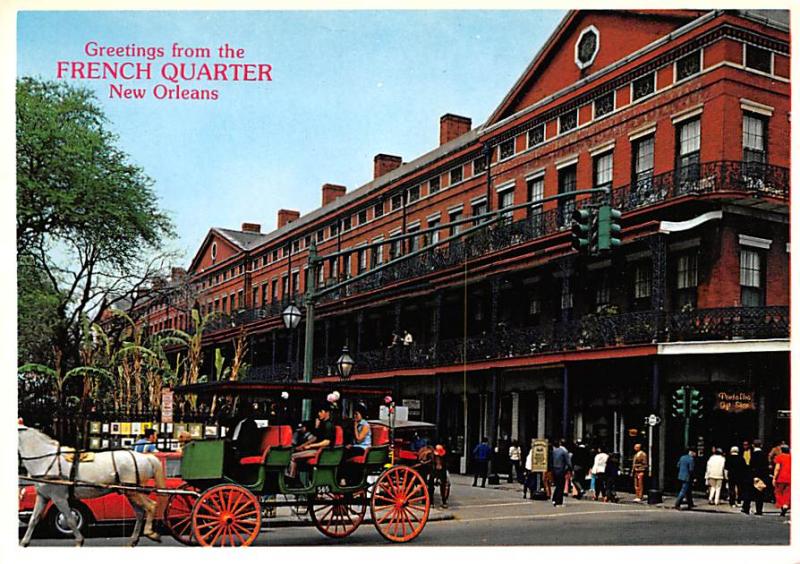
(245, 240)
(772, 18)
(302, 389)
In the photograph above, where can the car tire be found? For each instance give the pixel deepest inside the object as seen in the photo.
(57, 525)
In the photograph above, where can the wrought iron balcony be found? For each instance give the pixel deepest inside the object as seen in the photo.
(586, 333)
(755, 179)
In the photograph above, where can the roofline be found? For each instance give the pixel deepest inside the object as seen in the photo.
(712, 14)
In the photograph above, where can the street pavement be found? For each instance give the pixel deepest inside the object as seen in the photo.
(498, 516)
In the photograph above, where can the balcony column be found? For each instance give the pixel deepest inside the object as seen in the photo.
(565, 404)
(514, 416)
(439, 401)
(565, 271)
(658, 280)
(326, 324)
(398, 308)
(274, 348)
(436, 323)
(541, 413)
(359, 329)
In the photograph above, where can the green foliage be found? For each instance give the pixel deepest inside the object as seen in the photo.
(88, 223)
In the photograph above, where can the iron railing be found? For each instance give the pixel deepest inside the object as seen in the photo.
(757, 179)
(586, 333)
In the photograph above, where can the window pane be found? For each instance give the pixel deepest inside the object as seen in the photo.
(568, 121)
(507, 149)
(603, 169)
(690, 137)
(456, 175)
(536, 136)
(644, 86)
(688, 65)
(644, 155)
(750, 268)
(752, 133)
(604, 104)
(758, 59)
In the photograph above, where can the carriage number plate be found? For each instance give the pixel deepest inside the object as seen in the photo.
(323, 489)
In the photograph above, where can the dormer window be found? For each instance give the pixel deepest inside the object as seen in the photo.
(586, 47)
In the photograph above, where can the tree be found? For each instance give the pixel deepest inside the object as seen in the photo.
(89, 229)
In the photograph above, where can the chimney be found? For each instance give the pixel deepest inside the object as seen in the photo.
(331, 192)
(386, 163)
(285, 217)
(452, 126)
(251, 227)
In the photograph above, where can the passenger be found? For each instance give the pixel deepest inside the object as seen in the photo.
(362, 434)
(147, 443)
(246, 435)
(324, 434)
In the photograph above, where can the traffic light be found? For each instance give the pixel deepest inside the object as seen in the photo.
(608, 228)
(695, 405)
(582, 230)
(679, 403)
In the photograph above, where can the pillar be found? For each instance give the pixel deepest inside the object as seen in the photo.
(514, 416)
(398, 308)
(541, 412)
(327, 340)
(658, 279)
(493, 398)
(439, 402)
(359, 329)
(565, 404)
(436, 323)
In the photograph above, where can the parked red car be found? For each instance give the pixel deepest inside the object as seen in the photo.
(112, 508)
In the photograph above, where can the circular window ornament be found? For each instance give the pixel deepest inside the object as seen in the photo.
(213, 251)
(586, 47)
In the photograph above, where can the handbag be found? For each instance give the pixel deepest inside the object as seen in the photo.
(759, 484)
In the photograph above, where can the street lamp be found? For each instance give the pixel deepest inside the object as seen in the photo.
(291, 316)
(345, 364)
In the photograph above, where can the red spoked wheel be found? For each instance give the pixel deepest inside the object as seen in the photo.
(178, 515)
(400, 504)
(338, 515)
(226, 515)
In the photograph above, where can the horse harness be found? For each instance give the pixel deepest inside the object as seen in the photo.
(75, 463)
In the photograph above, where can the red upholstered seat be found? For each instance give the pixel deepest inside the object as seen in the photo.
(380, 435)
(279, 435)
(339, 441)
(358, 459)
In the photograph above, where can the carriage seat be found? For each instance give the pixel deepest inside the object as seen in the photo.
(276, 436)
(380, 437)
(337, 442)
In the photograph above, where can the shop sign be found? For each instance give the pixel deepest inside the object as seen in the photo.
(166, 405)
(414, 407)
(540, 451)
(735, 402)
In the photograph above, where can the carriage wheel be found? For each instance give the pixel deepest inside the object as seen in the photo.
(338, 515)
(226, 515)
(178, 515)
(400, 504)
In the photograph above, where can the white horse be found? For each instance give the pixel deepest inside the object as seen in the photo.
(45, 458)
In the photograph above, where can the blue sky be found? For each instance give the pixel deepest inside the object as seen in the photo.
(346, 86)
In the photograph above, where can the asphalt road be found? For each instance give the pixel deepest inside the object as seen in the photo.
(497, 516)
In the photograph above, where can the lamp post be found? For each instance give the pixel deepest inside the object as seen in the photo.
(345, 364)
(308, 356)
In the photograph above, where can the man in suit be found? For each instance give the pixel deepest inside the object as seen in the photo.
(246, 435)
(758, 468)
(685, 473)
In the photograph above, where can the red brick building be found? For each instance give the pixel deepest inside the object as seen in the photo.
(684, 116)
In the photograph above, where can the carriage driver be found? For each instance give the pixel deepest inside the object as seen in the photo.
(324, 436)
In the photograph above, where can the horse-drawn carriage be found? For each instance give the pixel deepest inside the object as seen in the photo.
(234, 495)
(225, 497)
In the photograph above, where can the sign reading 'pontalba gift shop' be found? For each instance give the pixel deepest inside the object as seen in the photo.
(734, 402)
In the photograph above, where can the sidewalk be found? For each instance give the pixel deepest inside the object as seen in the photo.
(514, 491)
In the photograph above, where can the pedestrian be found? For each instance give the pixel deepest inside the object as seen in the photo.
(734, 473)
(685, 472)
(481, 454)
(757, 481)
(581, 462)
(599, 472)
(612, 473)
(782, 480)
(747, 452)
(515, 459)
(146, 443)
(408, 340)
(561, 466)
(530, 481)
(640, 467)
(715, 474)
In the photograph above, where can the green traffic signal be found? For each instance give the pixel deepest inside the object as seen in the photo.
(696, 407)
(582, 230)
(608, 228)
